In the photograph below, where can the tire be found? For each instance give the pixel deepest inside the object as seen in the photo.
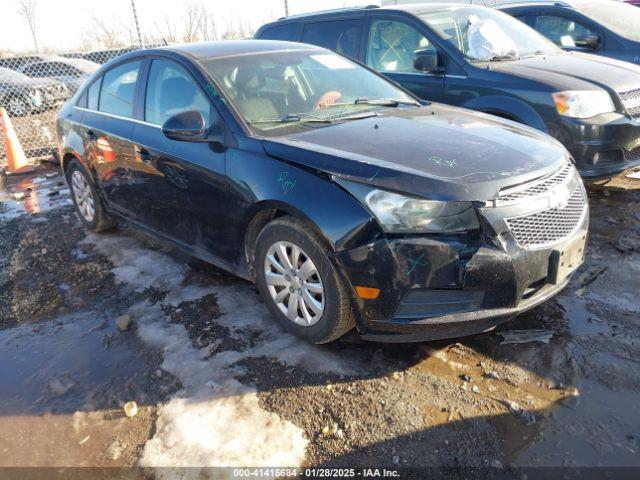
(86, 200)
(326, 311)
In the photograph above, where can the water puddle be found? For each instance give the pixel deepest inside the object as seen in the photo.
(32, 194)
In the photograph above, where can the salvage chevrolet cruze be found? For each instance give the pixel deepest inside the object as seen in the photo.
(346, 199)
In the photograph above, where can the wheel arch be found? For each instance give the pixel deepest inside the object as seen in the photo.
(263, 213)
(510, 108)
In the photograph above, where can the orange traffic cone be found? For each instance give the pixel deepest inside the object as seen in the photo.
(16, 159)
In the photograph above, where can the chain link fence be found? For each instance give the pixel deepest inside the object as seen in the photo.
(32, 88)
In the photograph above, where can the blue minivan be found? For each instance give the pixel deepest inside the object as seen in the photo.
(483, 59)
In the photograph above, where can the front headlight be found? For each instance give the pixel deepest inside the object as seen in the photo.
(402, 214)
(583, 104)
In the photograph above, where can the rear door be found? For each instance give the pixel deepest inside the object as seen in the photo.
(340, 35)
(180, 185)
(108, 130)
(391, 43)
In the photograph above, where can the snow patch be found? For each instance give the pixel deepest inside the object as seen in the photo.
(215, 420)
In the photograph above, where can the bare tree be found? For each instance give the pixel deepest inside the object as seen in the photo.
(27, 10)
(193, 17)
(105, 33)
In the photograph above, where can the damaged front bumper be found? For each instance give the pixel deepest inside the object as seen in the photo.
(450, 286)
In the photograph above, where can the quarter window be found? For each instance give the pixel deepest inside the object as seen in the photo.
(288, 31)
(341, 36)
(562, 31)
(392, 45)
(93, 93)
(172, 90)
(119, 89)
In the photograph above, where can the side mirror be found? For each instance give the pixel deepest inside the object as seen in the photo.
(427, 61)
(186, 126)
(589, 42)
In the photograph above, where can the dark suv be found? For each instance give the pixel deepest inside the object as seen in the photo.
(602, 27)
(483, 59)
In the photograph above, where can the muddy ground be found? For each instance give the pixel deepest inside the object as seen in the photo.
(216, 382)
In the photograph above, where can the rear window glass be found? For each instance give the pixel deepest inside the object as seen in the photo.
(288, 31)
(118, 89)
(342, 36)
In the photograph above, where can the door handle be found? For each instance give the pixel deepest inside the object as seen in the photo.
(144, 155)
(91, 135)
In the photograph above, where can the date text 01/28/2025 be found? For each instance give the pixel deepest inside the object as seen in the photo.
(315, 472)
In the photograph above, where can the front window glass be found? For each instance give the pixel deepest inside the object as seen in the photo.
(484, 34)
(119, 89)
(621, 18)
(562, 31)
(392, 45)
(171, 90)
(279, 89)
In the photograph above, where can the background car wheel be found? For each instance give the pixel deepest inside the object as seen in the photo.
(300, 284)
(85, 198)
(18, 107)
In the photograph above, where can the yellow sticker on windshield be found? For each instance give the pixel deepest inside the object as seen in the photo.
(333, 62)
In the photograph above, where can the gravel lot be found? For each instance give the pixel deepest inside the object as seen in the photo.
(216, 382)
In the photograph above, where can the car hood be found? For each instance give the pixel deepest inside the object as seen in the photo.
(32, 82)
(436, 152)
(566, 70)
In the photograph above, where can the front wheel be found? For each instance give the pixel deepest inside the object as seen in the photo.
(300, 284)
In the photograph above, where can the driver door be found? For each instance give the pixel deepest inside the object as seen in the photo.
(180, 186)
(391, 44)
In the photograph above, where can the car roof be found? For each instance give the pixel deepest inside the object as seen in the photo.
(577, 4)
(202, 51)
(413, 8)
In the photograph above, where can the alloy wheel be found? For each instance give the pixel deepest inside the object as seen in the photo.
(83, 195)
(294, 283)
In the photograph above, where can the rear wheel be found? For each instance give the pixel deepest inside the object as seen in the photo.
(85, 198)
(300, 284)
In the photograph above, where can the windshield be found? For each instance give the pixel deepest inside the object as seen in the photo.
(279, 89)
(8, 74)
(620, 18)
(483, 34)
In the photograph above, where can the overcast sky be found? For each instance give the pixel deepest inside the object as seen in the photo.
(64, 24)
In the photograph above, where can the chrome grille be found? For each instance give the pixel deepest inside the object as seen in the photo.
(538, 187)
(551, 225)
(631, 101)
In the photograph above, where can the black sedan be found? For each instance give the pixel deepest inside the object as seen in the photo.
(347, 200)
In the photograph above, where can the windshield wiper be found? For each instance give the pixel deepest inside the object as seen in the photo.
(500, 58)
(385, 102)
(293, 117)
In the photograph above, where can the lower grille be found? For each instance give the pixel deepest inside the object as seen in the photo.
(552, 225)
(631, 101)
(632, 155)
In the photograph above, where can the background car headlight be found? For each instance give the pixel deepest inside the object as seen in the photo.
(583, 104)
(398, 213)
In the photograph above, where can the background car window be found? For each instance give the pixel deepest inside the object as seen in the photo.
(118, 89)
(392, 44)
(555, 28)
(172, 90)
(93, 93)
(341, 36)
(287, 31)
